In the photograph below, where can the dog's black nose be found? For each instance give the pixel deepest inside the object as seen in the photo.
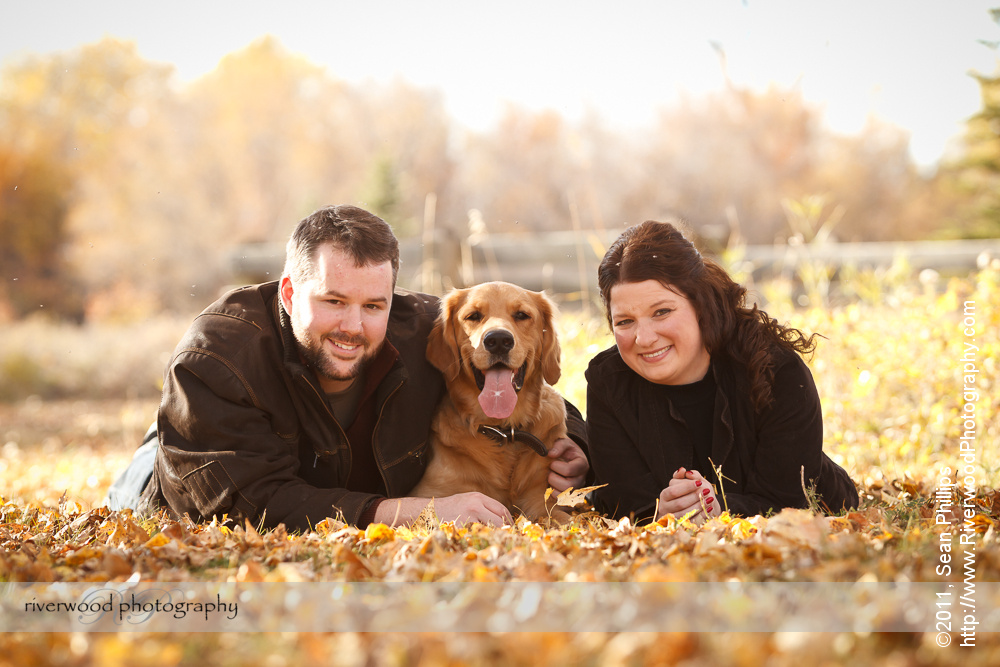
(498, 341)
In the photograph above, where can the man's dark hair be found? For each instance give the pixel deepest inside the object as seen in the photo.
(364, 236)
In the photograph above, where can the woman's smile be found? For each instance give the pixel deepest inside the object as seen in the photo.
(656, 355)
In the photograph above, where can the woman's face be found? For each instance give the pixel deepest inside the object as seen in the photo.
(657, 333)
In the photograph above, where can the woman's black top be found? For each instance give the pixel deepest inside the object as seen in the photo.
(694, 406)
(640, 433)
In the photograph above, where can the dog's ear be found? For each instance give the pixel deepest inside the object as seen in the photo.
(550, 342)
(442, 343)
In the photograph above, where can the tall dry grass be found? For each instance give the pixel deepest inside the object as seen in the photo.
(53, 360)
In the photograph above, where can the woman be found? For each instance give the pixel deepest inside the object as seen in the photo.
(703, 404)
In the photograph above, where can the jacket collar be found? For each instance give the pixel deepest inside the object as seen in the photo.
(290, 347)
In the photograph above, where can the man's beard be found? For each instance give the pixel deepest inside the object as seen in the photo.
(317, 358)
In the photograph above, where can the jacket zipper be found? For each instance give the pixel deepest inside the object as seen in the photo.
(378, 422)
(343, 435)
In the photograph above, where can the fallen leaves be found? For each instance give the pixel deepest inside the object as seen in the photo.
(883, 540)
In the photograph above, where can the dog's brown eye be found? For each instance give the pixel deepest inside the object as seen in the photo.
(521, 316)
(474, 316)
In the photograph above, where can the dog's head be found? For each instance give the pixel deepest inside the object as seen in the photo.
(492, 341)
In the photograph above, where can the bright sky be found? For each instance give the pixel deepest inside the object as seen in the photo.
(905, 61)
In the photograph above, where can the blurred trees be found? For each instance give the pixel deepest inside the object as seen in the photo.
(976, 175)
(730, 157)
(261, 134)
(131, 190)
(87, 117)
(519, 174)
(33, 205)
(725, 160)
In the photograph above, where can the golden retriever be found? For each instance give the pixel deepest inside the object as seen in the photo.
(496, 346)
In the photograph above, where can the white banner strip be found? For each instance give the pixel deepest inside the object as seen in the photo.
(500, 607)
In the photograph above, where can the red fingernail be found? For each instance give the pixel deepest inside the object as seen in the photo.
(698, 483)
(709, 501)
(705, 492)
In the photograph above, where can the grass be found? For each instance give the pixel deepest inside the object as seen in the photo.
(49, 360)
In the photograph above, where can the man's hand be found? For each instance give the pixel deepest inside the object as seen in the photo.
(569, 465)
(472, 507)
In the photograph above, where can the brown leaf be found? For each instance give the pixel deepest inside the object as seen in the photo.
(427, 520)
(115, 564)
(250, 571)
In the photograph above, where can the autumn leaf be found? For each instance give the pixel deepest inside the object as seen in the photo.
(532, 531)
(377, 532)
(157, 540)
(572, 497)
(427, 520)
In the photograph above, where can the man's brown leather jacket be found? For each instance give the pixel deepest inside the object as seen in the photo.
(245, 430)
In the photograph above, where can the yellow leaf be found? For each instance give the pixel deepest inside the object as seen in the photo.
(157, 540)
(379, 531)
(533, 531)
(79, 556)
(981, 523)
(741, 529)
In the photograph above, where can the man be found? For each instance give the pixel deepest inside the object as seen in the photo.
(292, 401)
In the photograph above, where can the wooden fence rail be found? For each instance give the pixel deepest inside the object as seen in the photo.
(552, 261)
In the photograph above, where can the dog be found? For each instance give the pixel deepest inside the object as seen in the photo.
(497, 348)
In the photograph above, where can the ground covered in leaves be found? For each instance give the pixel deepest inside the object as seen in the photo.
(890, 374)
(880, 542)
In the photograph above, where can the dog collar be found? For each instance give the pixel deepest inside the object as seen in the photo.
(512, 435)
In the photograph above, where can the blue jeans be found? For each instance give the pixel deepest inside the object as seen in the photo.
(125, 490)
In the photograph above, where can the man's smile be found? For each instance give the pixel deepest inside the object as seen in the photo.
(344, 347)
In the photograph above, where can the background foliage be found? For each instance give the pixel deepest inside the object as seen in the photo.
(132, 188)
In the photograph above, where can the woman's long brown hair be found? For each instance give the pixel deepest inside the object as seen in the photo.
(659, 251)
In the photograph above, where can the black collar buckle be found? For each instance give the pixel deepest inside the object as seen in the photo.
(512, 435)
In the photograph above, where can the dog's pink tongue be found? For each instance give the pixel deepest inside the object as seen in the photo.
(498, 397)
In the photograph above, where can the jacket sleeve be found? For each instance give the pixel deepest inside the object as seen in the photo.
(576, 429)
(790, 447)
(632, 488)
(220, 455)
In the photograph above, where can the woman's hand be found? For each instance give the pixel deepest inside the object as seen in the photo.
(688, 492)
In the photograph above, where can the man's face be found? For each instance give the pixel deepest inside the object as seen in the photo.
(340, 315)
